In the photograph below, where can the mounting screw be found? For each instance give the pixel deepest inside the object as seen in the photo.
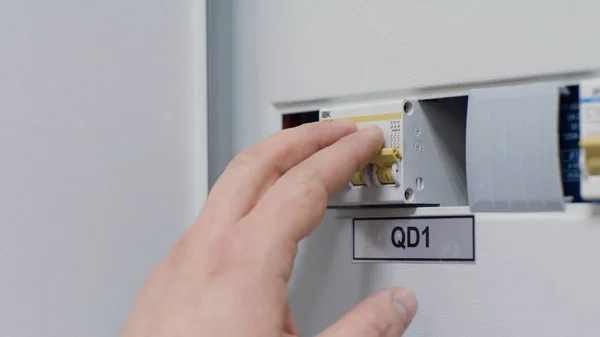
(408, 108)
(409, 194)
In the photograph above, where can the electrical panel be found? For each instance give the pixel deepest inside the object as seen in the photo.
(422, 162)
(522, 148)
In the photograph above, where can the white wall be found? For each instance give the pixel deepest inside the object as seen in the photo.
(102, 156)
(529, 280)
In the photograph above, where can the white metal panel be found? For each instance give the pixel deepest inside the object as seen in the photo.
(340, 47)
(534, 273)
(102, 155)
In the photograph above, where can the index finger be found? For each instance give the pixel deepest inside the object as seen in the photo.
(253, 171)
(294, 206)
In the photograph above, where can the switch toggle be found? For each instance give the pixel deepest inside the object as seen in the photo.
(363, 177)
(382, 170)
(590, 147)
(385, 167)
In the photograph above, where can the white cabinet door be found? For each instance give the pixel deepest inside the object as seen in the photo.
(534, 274)
(102, 155)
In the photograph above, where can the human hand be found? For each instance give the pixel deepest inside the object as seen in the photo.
(228, 274)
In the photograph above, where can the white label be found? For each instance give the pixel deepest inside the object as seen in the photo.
(439, 238)
(589, 108)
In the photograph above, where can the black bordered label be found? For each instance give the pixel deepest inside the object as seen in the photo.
(442, 238)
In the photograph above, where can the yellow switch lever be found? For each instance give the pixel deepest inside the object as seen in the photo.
(382, 164)
(384, 161)
(591, 148)
(387, 155)
(358, 179)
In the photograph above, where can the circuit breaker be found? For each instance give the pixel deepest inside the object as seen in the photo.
(589, 140)
(385, 168)
(422, 162)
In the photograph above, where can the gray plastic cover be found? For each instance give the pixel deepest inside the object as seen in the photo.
(512, 150)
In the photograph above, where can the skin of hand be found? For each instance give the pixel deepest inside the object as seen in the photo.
(228, 274)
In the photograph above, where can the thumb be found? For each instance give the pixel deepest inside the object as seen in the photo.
(385, 314)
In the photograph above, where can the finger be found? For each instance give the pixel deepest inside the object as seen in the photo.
(385, 314)
(289, 325)
(255, 169)
(294, 206)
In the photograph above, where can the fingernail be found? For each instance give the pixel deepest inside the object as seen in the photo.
(406, 304)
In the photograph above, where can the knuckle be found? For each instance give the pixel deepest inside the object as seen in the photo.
(280, 162)
(223, 248)
(356, 162)
(294, 146)
(311, 190)
(246, 156)
(313, 132)
(180, 247)
(226, 253)
(272, 158)
(179, 250)
(355, 159)
(311, 129)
